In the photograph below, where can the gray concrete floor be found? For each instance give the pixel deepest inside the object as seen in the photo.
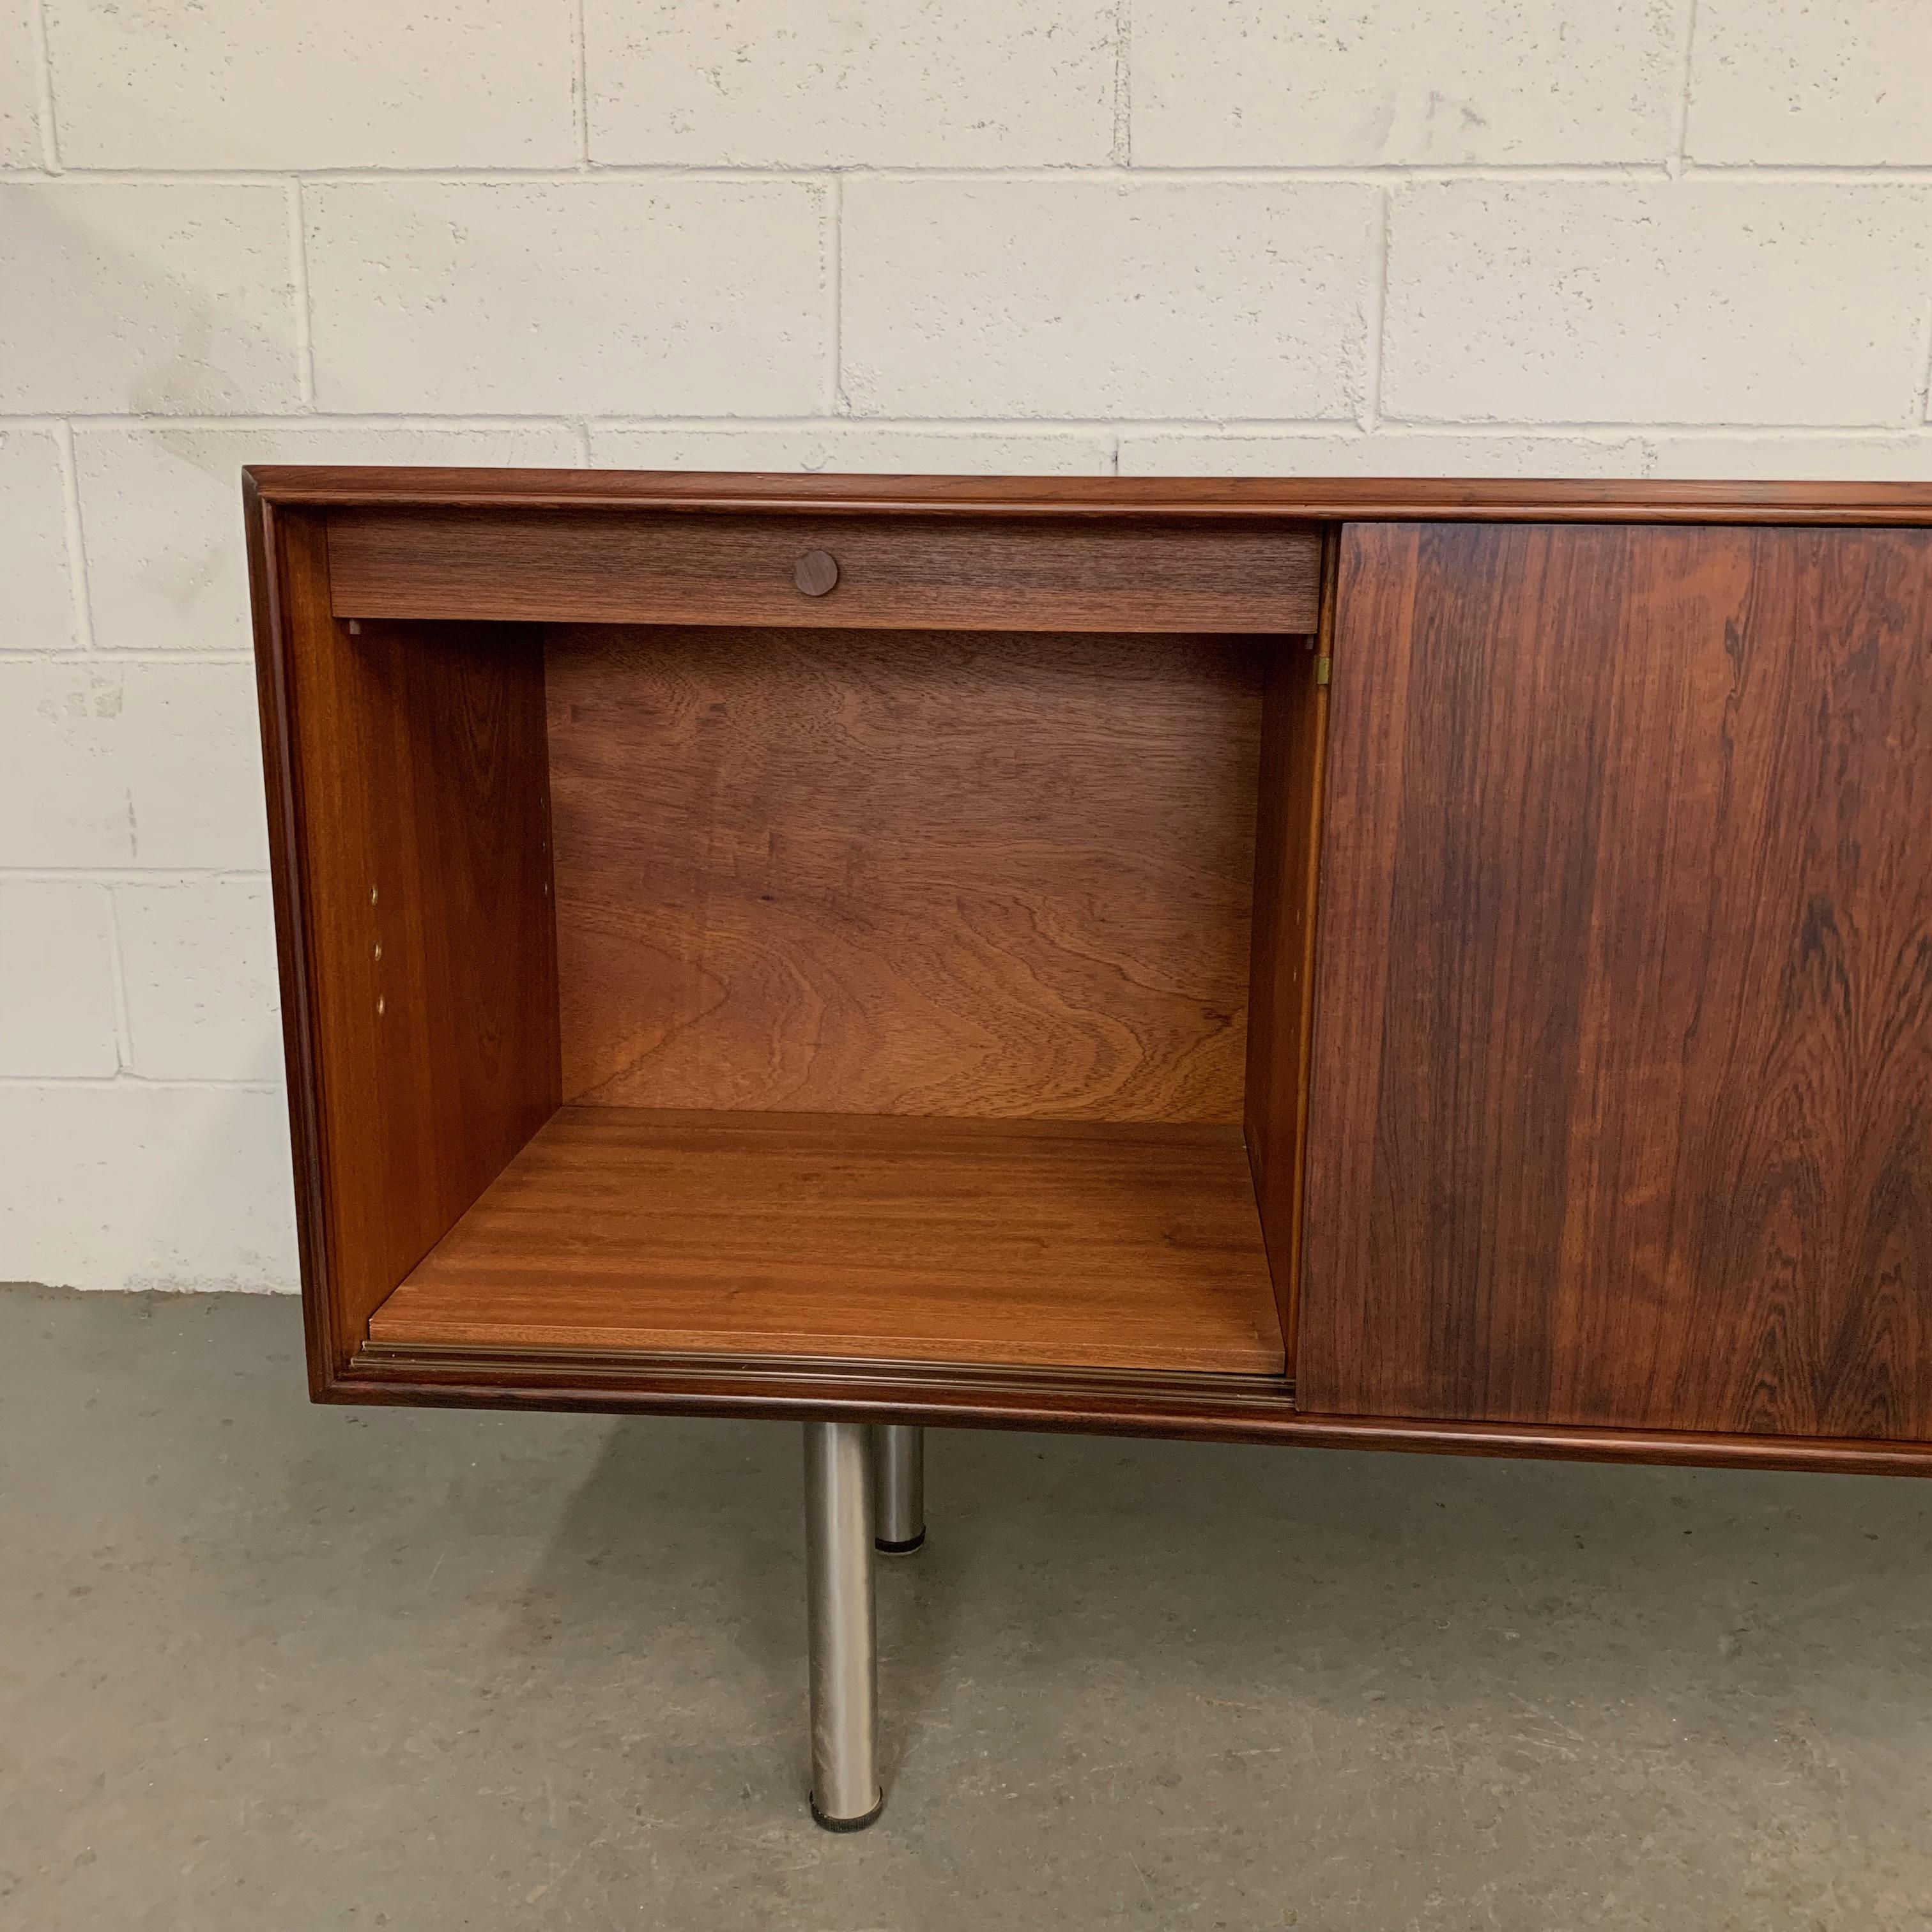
(272, 1667)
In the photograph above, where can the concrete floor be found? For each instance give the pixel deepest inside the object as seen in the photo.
(272, 1667)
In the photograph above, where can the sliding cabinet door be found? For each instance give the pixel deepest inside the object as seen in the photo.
(1621, 1110)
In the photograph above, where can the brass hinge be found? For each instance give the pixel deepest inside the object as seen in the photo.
(1325, 666)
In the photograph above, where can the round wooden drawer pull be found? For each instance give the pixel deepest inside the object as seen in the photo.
(815, 572)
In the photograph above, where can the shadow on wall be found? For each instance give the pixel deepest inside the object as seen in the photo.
(182, 371)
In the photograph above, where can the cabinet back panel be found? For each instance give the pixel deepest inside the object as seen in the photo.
(904, 872)
(1622, 1101)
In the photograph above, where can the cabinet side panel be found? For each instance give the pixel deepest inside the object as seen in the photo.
(1295, 723)
(1621, 1106)
(418, 880)
(288, 589)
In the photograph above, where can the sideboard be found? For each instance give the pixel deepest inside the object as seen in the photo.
(1429, 965)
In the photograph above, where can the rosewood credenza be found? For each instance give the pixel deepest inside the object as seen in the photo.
(1418, 964)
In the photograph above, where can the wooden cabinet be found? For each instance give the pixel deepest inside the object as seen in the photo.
(1448, 966)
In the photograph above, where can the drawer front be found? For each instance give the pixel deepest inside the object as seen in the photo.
(950, 573)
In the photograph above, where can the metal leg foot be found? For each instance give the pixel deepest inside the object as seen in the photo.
(902, 1473)
(838, 1532)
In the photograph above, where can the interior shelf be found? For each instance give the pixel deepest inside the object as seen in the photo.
(1035, 1242)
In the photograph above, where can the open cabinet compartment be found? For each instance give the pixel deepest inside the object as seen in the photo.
(815, 990)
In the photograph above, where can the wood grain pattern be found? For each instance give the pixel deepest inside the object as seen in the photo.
(288, 593)
(905, 873)
(417, 928)
(1190, 499)
(1212, 1408)
(939, 1241)
(961, 574)
(1281, 982)
(1622, 1111)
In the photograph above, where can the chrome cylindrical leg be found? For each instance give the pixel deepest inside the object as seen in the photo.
(902, 1463)
(839, 1531)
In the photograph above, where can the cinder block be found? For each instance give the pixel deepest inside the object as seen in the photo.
(1837, 83)
(20, 91)
(191, 756)
(1081, 297)
(56, 982)
(38, 612)
(135, 764)
(1253, 83)
(906, 83)
(148, 297)
(123, 1185)
(167, 568)
(1906, 458)
(1385, 453)
(357, 83)
(863, 447)
(62, 802)
(669, 297)
(1684, 302)
(198, 960)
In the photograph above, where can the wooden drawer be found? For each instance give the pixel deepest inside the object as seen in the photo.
(953, 572)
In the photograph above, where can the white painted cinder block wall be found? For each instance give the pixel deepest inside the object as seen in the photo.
(1533, 237)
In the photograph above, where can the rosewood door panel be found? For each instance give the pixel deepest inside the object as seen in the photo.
(1621, 1101)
